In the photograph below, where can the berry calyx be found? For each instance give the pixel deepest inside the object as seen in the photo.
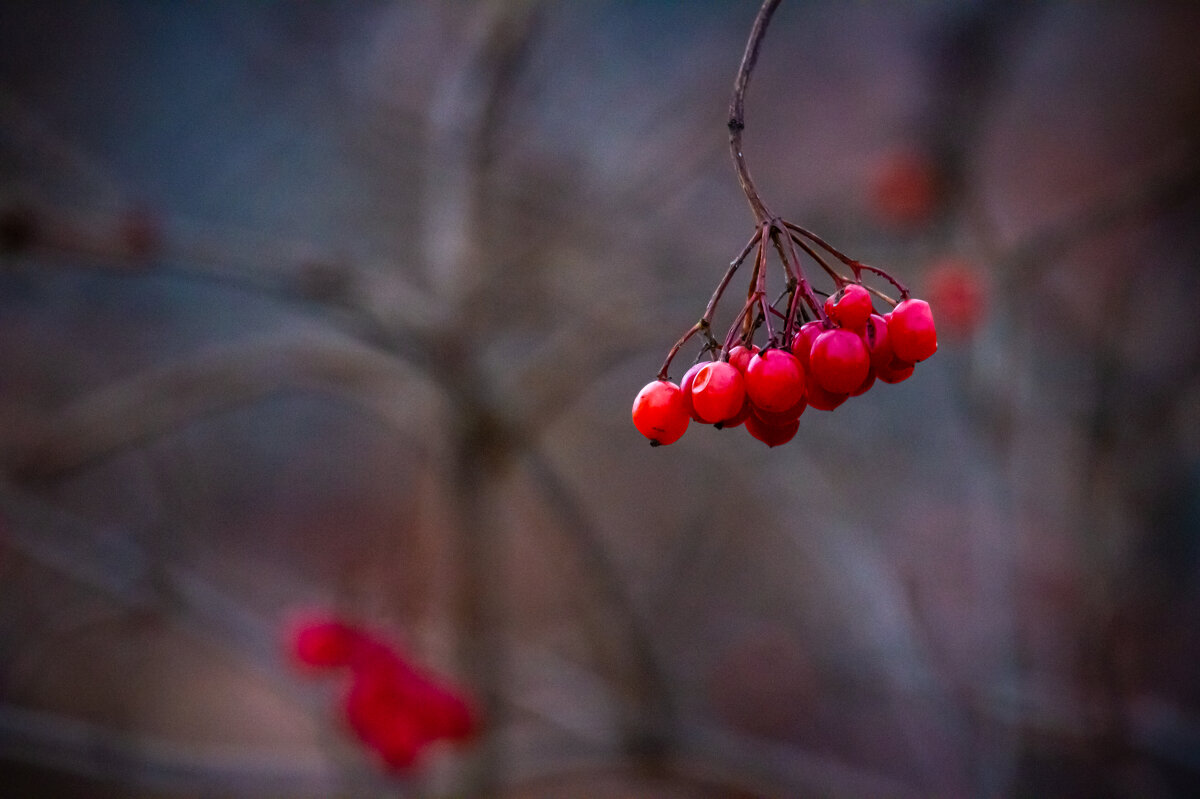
(660, 412)
(718, 392)
(850, 307)
(913, 334)
(839, 361)
(775, 380)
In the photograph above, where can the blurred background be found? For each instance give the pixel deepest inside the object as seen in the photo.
(342, 308)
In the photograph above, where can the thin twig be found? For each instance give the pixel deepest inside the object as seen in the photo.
(737, 110)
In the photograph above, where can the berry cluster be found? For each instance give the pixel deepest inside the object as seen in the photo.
(823, 353)
(392, 706)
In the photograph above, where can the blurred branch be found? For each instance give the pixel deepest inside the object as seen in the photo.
(1173, 178)
(462, 124)
(172, 396)
(655, 729)
(763, 768)
(104, 754)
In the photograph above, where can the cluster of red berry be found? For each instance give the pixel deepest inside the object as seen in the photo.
(391, 705)
(825, 362)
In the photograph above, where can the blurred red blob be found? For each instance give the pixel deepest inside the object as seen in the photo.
(956, 288)
(394, 707)
(324, 643)
(905, 191)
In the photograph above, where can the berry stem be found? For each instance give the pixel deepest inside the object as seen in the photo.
(856, 266)
(737, 110)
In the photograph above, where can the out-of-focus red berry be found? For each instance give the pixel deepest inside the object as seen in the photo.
(325, 643)
(956, 288)
(905, 189)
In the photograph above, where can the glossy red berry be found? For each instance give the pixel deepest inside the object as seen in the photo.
(803, 340)
(913, 334)
(780, 418)
(660, 412)
(718, 392)
(769, 434)
(839, 361)
(745, 411)
(820, 399)
(866, 384)
(775, 380)
(740, 356)
(850, 307)
(685, 385)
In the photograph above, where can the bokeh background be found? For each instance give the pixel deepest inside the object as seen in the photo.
(342, 307)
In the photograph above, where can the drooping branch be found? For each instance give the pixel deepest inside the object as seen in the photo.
(737, 110)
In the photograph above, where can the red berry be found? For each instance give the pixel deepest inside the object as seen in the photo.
(879, 343)
(325, 644)
(772, 435)
(850, 307)
(775, 380)
(914, 337)
(821, 399)
(740, 356)
(956, 288)
(685, 385)
(839, 361)
(895, 372)
(660, 412)
(780, 418)
(803, 340)
(906, 190)
(746, 409)
(866, 384)
(718, 392)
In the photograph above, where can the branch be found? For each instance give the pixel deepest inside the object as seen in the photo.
(737, 110)
(167, 398)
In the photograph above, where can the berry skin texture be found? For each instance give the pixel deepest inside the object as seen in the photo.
(718, 392)
(769, 434)
(775, 380)
(660, 412)
(839, 361)
(850, 307)
(911, 328)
